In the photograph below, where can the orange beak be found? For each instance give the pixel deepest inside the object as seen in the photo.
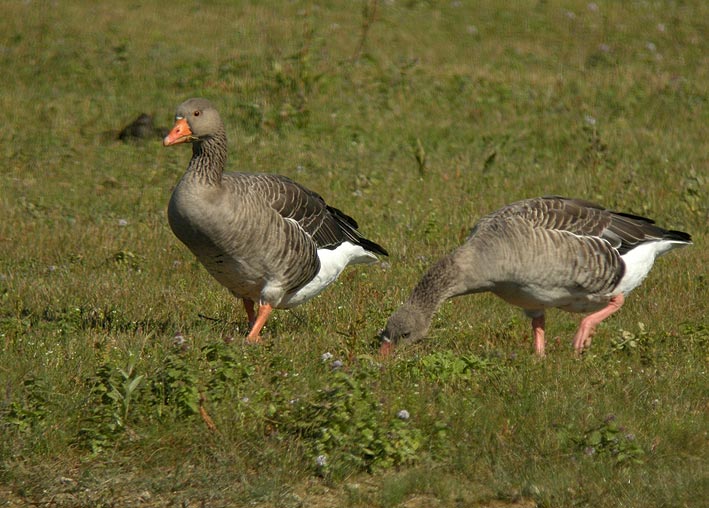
(386, 348)
(180, 133)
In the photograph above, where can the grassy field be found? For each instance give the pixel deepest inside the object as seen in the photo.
(124, 377)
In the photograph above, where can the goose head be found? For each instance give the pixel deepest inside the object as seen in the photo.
(195, 120)
(407, 324)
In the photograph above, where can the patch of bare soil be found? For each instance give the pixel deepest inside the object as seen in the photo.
(311, 494)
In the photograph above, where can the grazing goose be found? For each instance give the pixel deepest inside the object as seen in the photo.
(264, 237)
(540, 253)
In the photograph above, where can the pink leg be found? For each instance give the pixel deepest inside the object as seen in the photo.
(582, 339)
(264, 310)
(249, 306)
(538, 331)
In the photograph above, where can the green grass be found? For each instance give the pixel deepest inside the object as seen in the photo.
(417, 117)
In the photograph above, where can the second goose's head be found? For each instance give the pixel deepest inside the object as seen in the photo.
(195, 120)
(406, 324)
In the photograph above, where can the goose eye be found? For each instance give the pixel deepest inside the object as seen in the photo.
(197, 113)
(405, 335)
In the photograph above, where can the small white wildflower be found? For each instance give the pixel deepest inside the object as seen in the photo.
(589, 120)
(321, 460)
(593, 7)
(403, 415)
(122, 222)
(661, 27)
(604, 48)
(570, 15)
(337, 364)
(650, 46)
(326, 356)
(244, 400)
(472, 29)
(179, 341)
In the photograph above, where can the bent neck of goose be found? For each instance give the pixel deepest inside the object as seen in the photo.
(453, 275)
(209, 158)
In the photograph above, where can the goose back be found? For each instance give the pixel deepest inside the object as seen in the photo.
(534, 267)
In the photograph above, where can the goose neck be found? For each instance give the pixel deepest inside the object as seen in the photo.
(456, 274)
(434, 287)
(209, 158)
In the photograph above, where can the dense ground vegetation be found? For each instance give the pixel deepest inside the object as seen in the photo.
(124, 377)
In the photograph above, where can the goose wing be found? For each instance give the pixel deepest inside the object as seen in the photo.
(623, 231)
(327, 226)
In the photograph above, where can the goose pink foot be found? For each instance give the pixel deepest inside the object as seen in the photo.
(538, 331)
(254, 336)
(588, 325)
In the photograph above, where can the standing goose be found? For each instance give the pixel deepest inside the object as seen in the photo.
(264, 237)
(540, 253)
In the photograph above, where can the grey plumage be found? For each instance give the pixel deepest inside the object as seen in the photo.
(540, 253)
(259, 235)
